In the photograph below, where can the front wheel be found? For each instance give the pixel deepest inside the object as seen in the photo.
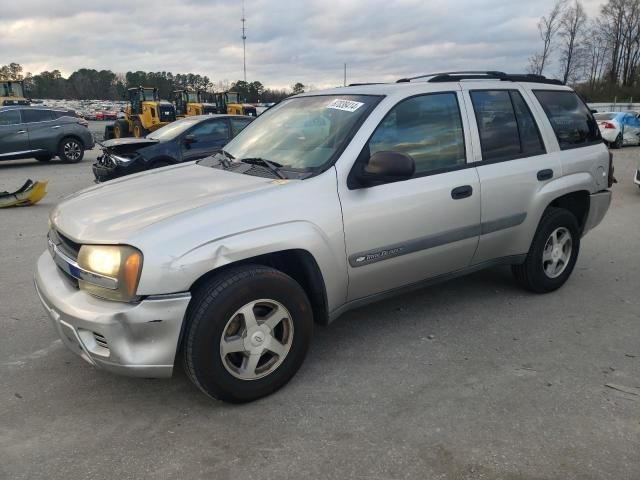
(248, 331)
(71, 150)
(553, 253)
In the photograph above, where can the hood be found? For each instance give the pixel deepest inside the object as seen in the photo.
(115, 211)
(114, 143)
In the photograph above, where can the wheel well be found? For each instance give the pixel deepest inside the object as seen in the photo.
(577, 203)
(299, 265)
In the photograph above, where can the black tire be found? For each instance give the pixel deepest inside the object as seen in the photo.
(44, 158)
(137, 127)
(71, 150)
(530, 274)
(618, 142)
(120, 129)
(214, 304)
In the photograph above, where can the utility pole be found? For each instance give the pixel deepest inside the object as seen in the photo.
(345, 74)
(244, 45)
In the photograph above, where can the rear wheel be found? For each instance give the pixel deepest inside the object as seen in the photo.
(71, 150)
(618, 142)
(248, 331)
(138, 130)
(44, 158)
(553, 253)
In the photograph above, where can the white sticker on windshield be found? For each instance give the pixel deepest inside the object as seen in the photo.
(345, 105)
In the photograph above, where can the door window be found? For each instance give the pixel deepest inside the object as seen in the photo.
(238, 124)
(428, 128)
(506, 126)
(33, 115)
(10, 117)
(212, 130)
(570, 118)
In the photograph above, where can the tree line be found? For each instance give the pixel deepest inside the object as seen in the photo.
(599, 56)
(88, 84)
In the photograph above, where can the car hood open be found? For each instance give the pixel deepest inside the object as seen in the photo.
(115, 211)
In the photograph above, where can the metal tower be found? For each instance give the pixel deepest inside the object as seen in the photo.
(244, 45)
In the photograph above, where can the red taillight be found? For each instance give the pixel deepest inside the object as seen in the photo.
(608, 125)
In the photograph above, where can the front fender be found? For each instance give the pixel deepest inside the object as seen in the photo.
(180, 273)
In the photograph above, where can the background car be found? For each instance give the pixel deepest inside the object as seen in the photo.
(619, 128)
(42, 133)
(190, 138)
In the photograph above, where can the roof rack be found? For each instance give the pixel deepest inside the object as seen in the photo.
(483, 75)
(363, 84)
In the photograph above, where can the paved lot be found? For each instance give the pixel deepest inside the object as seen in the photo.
(510, 385)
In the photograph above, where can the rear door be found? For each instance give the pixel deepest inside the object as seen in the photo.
(45, 130)
(13, 134)
(513, 165)
(209, 137)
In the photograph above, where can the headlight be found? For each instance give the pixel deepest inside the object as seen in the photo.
(116, 268)
(121, 160)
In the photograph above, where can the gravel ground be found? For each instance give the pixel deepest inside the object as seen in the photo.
(470, 379)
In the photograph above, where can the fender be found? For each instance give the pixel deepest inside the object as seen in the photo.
(178, 274)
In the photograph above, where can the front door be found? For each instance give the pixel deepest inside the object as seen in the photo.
(400, 233)
(205, 139)
(13, 134)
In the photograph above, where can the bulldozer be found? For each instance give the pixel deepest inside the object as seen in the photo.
(229, 103)
(12, 93)
(190, 103)
(145, 113)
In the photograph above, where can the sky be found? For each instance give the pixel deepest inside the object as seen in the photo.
(288, 41)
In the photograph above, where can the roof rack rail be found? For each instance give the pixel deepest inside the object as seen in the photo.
(363, 84)
(483, 75)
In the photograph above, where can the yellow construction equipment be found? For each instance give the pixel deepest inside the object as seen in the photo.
(145, 113)
(190, 103)
(229, 103)
(12, 93)
(29, 194)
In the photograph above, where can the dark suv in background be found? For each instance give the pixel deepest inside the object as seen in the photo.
(42, 133)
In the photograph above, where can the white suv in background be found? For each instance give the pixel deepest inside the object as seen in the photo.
(328, 201)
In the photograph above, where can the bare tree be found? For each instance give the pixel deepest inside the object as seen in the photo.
(596, 50)
(572, 24)
(548, 27)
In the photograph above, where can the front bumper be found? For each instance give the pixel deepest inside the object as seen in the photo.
(138, 340)
(106, 169)
(598, 207)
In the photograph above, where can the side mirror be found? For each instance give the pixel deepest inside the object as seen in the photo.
(593, 110)
(189, 139)
(386, 167)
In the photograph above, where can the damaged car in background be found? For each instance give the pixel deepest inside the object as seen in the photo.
(185, 140)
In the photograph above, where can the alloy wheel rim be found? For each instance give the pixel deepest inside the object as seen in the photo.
(256, 339)
(557, 252)
(72, 150)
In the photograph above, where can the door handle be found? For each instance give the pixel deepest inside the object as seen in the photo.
(21, 131)
(461, 192)
(546, 174)
(57, 126)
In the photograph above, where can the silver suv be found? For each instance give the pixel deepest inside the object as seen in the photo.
(328, 201)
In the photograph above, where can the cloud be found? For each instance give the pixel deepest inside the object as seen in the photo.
(287, 41)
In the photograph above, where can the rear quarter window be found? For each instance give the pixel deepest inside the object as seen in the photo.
(571, 119)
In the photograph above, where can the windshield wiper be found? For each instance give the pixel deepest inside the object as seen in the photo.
(273, 166)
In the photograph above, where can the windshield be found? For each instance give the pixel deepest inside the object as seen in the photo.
(11, 89)
(233, 97)
(171, 131)
(605, 116)
(192, 97)
(147, 95)
(303, 132)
